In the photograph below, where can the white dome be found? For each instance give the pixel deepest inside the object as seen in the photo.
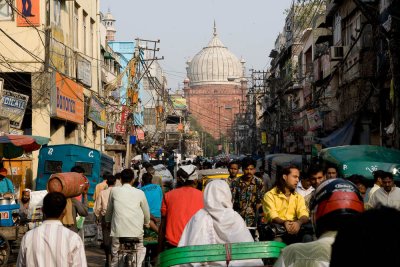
(109, 16)
(214, 64)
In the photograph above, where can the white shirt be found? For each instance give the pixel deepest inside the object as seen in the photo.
(391, 199)
(51, 244)
(312, 254)
(100, 205)
(302, 191)
(127, 211)
(373, 190)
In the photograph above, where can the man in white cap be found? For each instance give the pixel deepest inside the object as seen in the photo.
(178, 206)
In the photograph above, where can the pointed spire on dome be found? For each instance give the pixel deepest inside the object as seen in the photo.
(215, 41)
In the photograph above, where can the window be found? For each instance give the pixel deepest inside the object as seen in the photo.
(76, 27)
(52, 166)
(87, 166)
(57, 12)
(91, 40)
(5, 10)
(84, 33)
(337, 29)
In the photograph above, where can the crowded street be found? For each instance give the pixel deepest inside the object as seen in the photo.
(209, 133)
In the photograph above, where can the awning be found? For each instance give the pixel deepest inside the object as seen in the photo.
(363, 160)
(340, 137)
(107, 55)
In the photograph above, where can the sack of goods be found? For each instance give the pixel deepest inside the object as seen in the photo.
(70, 184)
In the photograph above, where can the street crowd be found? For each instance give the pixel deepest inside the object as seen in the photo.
(324, 220)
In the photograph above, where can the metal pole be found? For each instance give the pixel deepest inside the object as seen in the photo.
(219, 126)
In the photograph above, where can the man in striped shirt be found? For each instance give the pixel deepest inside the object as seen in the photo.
(52, 244)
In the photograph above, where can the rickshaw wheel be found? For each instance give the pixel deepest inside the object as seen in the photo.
(4, 250)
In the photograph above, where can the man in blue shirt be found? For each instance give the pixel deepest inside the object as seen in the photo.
(6, 186)
(153, 194)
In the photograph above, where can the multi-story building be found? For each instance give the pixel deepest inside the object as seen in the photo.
(51, 60)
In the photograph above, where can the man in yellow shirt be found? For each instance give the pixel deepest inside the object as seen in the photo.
(284, 208)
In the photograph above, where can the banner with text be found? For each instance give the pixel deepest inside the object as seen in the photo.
(67, 100)
(97, 112)
(13, 106)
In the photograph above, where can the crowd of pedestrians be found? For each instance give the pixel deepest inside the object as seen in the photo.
(310, 212)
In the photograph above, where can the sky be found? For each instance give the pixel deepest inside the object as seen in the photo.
(248, 28)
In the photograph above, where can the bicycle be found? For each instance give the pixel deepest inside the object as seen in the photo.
(127, 253)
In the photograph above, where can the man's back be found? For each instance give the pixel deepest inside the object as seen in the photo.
(312, 254)
(127, 211)
(51, 244)
(179, 205)
(154, 196)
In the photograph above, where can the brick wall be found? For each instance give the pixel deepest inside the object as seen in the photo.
(214, 105)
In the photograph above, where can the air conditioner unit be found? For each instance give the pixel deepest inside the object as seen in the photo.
(338, 52)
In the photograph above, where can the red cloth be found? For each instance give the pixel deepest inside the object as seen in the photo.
(178, 206)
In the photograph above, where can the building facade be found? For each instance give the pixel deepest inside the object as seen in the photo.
(51, 59)
(215, 88)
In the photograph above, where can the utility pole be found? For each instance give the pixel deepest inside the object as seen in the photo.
(138, 68)
(47, 32)
(146, 61)
(130, 105)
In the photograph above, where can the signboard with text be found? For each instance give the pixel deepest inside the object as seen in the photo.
(84, 71)
(13, 106)
(67, 100)
(97, 112)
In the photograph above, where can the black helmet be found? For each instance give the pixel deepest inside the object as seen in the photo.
(334, 200)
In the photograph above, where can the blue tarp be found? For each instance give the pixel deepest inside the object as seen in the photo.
(340, 137)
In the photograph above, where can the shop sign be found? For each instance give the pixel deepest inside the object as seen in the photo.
(140, 134)
(67, 100)
(13, 106)
(120, 129)
(124, 114)
(263, 138)
(97, 112)
(84, 71)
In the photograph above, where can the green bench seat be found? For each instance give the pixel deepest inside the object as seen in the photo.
(220, 252)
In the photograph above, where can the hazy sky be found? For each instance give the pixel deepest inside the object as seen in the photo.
(248, 28)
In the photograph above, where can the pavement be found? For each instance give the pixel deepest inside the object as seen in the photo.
(95, 256)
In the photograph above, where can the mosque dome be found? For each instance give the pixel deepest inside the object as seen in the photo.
(214, 64)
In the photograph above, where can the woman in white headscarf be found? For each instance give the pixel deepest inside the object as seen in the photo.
(217, 223)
